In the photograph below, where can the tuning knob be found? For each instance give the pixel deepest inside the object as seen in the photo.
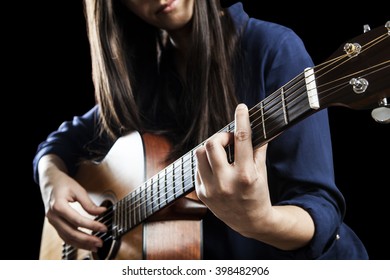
(382, 113)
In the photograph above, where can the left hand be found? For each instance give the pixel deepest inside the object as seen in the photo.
(236, 193)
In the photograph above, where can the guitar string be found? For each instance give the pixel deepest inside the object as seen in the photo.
(158, 193)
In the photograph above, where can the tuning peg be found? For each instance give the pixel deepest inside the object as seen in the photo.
(382, 113)
(366, 28)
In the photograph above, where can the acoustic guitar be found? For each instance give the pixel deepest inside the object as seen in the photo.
(152, 211)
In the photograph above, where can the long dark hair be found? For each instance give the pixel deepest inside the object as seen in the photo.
(121, 45)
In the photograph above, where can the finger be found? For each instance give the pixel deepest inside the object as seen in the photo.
(243, 149)
(92, 209)
(77, 217)
(204, 174)
(216, 153)
(74, 236)
(260, 154)
(86, 202)
(203, 165)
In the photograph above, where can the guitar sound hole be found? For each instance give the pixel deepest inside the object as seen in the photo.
(110, 246)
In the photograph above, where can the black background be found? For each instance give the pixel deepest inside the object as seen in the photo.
(49, 78)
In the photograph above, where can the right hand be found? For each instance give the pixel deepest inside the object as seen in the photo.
(59, 190)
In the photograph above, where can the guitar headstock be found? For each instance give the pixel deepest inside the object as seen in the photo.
(357, 75)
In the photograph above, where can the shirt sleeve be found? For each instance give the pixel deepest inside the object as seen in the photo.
(69, 141)
(299, 160)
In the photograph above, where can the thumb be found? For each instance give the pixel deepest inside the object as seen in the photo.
(88, 204)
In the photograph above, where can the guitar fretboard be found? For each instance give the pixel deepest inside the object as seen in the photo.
(170, 184)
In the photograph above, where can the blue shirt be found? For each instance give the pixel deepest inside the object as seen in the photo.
(299, 160)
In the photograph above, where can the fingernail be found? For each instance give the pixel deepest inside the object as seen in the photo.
(242, 106)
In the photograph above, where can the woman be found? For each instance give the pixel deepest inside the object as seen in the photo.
(185, 69)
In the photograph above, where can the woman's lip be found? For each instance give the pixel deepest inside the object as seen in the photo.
(166, 8)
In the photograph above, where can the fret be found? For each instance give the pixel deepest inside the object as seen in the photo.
(130, 209)
(183, 174)
(173, 188)
(169, 189)
(187, 174)
(284, 106)
(178, 182)
(263, 119)
(134, 204)
(273, 113)
(166, 185)
(126, 213)
(121, 224)
(151, 194)
(257, 120)
(138, 205)
(144, 203)
(154, 193)
(193, 168)
(162, 189)
(266, 115)
(125, 210)
(157, 195)
(133, 201)
(229, 149)
(297, 101)
(143, 206)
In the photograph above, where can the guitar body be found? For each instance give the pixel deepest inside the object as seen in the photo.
(132, 160)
